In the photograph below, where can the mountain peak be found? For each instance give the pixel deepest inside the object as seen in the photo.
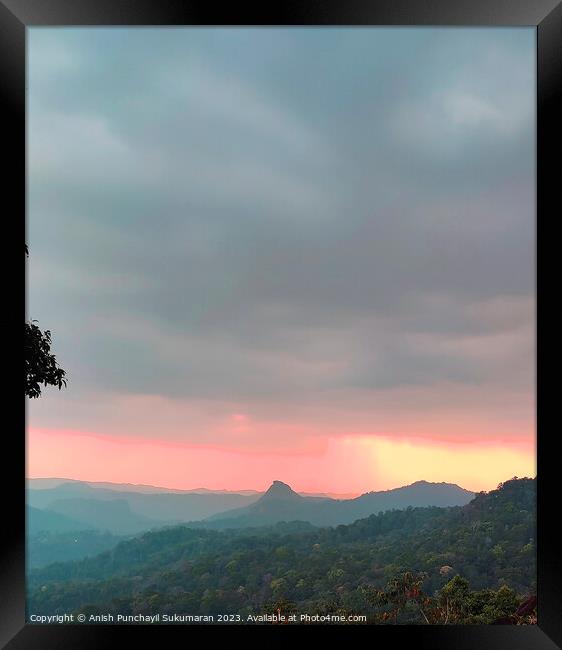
(280, 490)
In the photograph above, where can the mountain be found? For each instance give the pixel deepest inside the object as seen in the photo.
(418, 494)
(46, 483)
(162, 508)
(55, 537)
(330, 495)
(278, 495)
(115, 516)
(44, 547)
(490, 542)
(281, 503)
(93, 504)
(38, 521)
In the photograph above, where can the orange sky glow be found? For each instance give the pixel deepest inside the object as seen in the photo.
(345, 464)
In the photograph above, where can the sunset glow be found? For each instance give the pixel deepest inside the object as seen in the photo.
(349, 464)
(314, 264)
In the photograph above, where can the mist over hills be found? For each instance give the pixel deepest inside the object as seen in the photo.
(124, 511)
(38, 521)
(46, 483)
(113, 515)
(150, 508)
(75, 519)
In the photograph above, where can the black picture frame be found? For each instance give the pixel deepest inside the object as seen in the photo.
(15, 17)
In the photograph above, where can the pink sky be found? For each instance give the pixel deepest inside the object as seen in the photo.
(265, 267)
(348, 443)
(344, 464)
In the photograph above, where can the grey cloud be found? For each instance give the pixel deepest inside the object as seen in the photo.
(278, 227)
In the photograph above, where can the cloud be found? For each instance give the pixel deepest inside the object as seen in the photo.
(324, 237)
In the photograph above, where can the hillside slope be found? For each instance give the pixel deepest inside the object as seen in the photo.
(164, 507)
(490, 541)
(49, 521)
(281, 503)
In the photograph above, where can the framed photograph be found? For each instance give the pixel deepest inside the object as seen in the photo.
(281, 283)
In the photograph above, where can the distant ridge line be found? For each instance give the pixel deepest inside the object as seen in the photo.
(110, 485)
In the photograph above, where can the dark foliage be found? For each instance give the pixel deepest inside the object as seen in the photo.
(40, 365)
(470, 564)
(47, 547)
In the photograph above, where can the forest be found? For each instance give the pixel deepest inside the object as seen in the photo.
(466, 564)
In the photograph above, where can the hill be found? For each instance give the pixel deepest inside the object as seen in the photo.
(38, 521)
(55, 537)
(46, 483)
(115, 516)
(219, 510)
(162, 508)
(44, 548)
(281, 503)
(490, 542)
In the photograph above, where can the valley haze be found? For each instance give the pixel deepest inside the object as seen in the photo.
(122, 509)
(70, 519)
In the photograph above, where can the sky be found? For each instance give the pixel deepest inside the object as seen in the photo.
(303, 254)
